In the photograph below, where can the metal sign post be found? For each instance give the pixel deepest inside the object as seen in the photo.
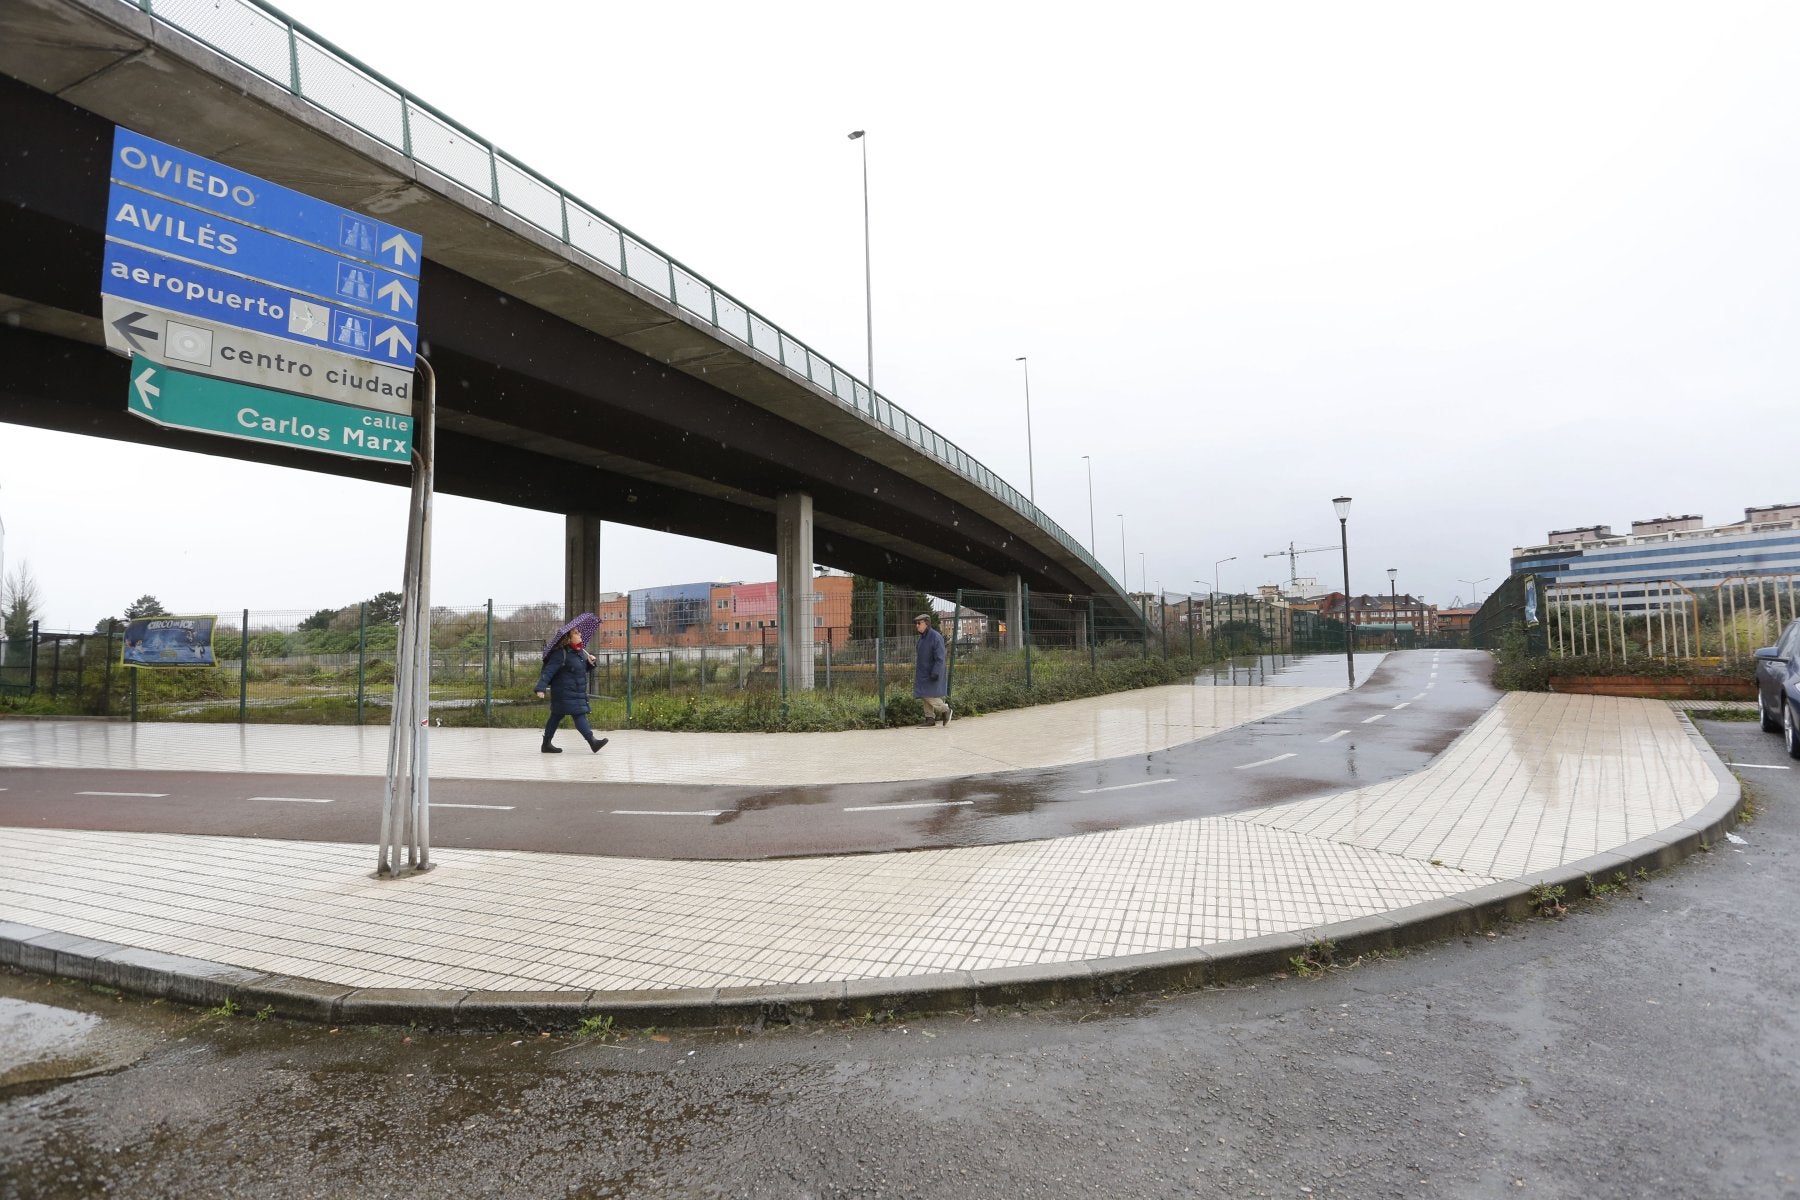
(406, 796)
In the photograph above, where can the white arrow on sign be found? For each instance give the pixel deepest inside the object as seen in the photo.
(393, 339)
(399, 247)
(146, 389)
(394, 293)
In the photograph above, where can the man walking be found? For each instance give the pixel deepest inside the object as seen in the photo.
(929, 681)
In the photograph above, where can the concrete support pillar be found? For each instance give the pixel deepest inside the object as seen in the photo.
(581, 564)
(1081, 629)
(794, 584)
(1015, 614)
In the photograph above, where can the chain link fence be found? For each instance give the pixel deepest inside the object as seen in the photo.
(660, 646)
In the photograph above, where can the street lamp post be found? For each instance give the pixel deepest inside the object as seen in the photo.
(1030, 459)
(1475, 598)
(1216, 567)
(856, 135)
(1394, 605)
(1090, 470)
(1212, 622)
(1342, 505)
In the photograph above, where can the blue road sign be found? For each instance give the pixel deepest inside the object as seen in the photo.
(190, 179)
(166, 228)
(132, 273)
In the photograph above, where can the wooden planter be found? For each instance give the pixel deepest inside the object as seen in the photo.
(1658, 687)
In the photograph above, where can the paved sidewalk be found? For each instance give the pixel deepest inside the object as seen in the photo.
(1089, 730)
(1544, 788)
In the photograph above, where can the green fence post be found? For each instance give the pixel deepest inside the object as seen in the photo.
(1025, 628)
(244, 669)
(106, 702)
(1144, 619)
(950, 658)
(880, 639)
(628, 673)
(1093, 639)
(362, 656)
(1162, 619)
(134, 675)
(781, 648)
(487, 665)
(1190, 625)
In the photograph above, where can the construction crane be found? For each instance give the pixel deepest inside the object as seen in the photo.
(1293, 556)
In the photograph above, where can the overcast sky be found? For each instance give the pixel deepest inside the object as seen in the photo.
(1488, 270)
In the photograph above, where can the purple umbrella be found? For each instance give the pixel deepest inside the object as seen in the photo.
(588, 623)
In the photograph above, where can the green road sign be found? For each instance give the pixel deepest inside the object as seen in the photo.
(182, 400)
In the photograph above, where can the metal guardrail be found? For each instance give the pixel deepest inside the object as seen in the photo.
(262, 39)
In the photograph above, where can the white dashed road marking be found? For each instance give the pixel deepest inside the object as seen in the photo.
(1334, 737)
(152, 795)
(657, 812)
(1760, 766)
(1262, 762)
(1376, 717)
(1119, 787)
(489, 807)
(918, 804)
(299, 799)
(1401, 705)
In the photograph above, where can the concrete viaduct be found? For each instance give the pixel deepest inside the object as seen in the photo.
(581, 370)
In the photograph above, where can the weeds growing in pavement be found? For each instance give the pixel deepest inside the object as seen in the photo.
(597, 1026)
(1314, 960)
(1547, 898)
(227, 1009)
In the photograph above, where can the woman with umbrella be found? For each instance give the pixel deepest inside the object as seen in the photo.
(567, 665)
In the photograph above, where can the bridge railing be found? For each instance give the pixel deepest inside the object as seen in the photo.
(262, 39)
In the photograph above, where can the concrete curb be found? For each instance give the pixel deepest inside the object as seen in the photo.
(200, 982)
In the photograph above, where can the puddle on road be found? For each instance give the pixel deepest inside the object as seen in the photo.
(43, 1043)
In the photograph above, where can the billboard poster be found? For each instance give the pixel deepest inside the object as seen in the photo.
(1531, 600)
(166, 641)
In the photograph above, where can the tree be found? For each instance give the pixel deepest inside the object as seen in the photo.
(384, 608)
(19, 603)
(145, 606)
(320, 620)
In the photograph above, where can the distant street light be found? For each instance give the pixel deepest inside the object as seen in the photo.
(1473, 585)
(1090, 470)
(1394, 605)
(1216, 566)
(856, 135)
(1030, 461)
(1342, 505)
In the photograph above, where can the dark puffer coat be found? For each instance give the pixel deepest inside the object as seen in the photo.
(565, 679)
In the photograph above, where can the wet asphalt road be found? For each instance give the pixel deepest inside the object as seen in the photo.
(1408, 710)
(1643, 1046)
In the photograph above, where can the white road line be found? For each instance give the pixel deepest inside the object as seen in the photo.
(1420, 696)
(300, 799)
(1119, 787)
(152, 795)
(1401, 705)
(660, 812)
(1757, 766)
(919, 804)
(489, 807)
(1376, 717)
(1334, 737)
(1262, 762)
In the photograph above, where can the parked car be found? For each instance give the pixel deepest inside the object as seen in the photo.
(1778, 687)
